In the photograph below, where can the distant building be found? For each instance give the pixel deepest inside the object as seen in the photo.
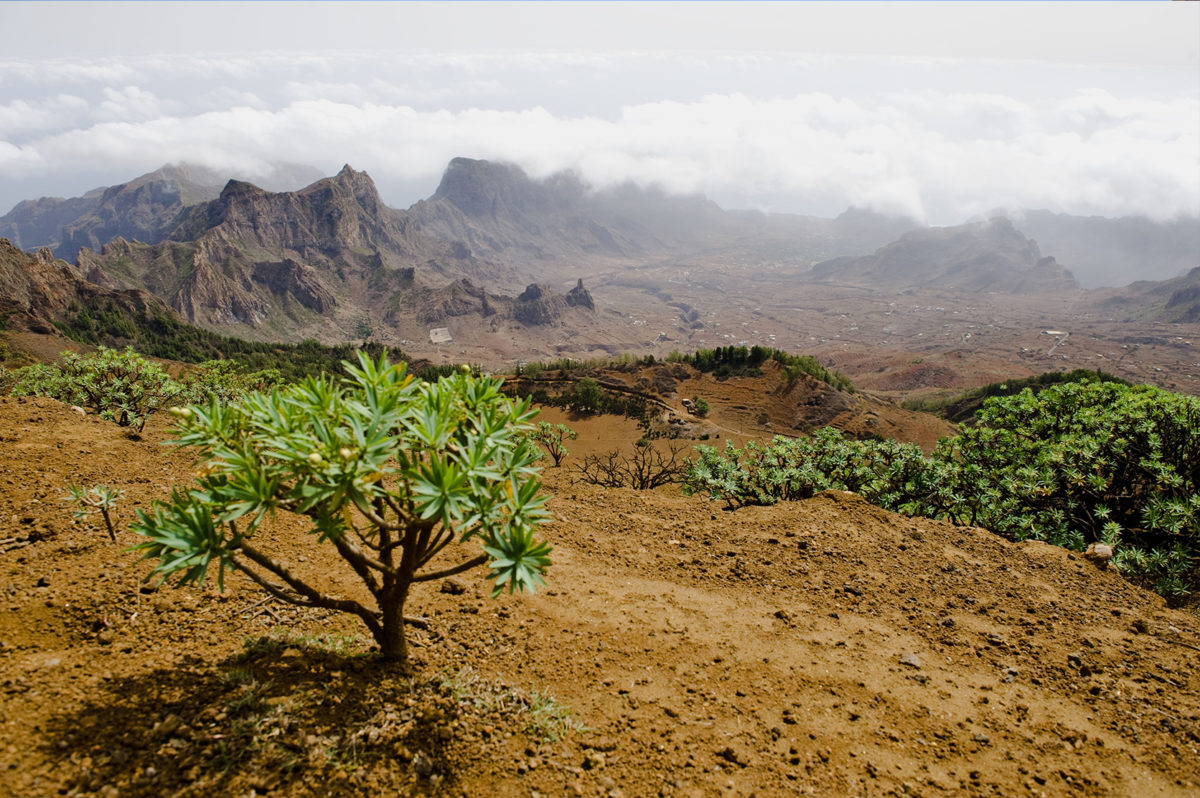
(440, 335)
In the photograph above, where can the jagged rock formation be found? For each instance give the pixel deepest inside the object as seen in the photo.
(984, 256)
(144, 209)
(538, 304)
(496, 211)
(38, 290)
(286, 261)
(579, 297)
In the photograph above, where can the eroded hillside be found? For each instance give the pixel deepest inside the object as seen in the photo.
(823, 647)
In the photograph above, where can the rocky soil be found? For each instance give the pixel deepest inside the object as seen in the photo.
(823, 647)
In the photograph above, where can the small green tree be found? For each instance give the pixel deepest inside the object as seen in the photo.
(387, 469)
(588, 396)
(121, 386)
(553, 438)
(700, 405)
(362, 329)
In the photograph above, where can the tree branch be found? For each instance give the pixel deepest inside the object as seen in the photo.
(351, 555)
(433, 548)
(317, 598)
(457, 569)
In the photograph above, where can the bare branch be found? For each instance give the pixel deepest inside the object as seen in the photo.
(458, 569)
(316, 598)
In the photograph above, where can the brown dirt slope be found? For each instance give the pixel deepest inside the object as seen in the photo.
(823, 647)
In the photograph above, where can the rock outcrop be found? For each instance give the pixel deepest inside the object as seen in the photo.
(538, 304)
(38, 290)
(579, 297)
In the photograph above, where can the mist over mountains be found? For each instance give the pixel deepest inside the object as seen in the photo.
(498, 260)
(533, 219)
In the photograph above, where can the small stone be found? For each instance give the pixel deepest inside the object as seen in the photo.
(733, 756)
(853, 590)
(1099, 554)
(453, 587)
(910, 659)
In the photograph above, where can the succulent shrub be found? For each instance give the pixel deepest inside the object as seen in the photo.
(120, 386)
(553, 438)
(98, 498)
(396, 474)
(1083, 462)
(1076, 463)
(891, 474)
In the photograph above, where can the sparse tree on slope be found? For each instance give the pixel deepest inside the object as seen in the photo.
(389, 470)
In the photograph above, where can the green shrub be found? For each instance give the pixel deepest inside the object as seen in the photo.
(887, 473)
(740, 361)
(700, 405)
(389, 470)
(227, 380)
(1077, 463)
(121, 386)
(1084, 462)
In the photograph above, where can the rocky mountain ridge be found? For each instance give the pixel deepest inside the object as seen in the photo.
(981, 256)
(144, 209)
(313, 262)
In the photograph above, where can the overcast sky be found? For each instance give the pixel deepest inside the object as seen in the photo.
(938, 110)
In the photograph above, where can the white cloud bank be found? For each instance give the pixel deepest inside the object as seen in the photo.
(940, 141)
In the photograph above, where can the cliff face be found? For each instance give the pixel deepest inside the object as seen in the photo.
(987, 256)
(1174, 301)
(38, 290)
(302, 262)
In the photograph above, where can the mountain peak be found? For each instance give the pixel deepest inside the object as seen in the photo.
(240, 188)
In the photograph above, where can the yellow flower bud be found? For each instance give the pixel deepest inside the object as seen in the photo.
(181, 412)
(315, 458)
(346, 452)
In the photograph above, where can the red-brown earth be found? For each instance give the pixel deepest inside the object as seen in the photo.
(822, 647)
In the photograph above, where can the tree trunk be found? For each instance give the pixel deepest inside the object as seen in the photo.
(392, 643)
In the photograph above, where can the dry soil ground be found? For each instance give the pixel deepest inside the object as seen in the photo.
(823, 647)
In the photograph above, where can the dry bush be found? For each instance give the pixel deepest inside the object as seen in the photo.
(646, 468)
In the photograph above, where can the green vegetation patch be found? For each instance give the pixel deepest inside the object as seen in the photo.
(1074, 464)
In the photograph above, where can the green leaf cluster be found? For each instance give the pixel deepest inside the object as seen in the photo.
(227, 380)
